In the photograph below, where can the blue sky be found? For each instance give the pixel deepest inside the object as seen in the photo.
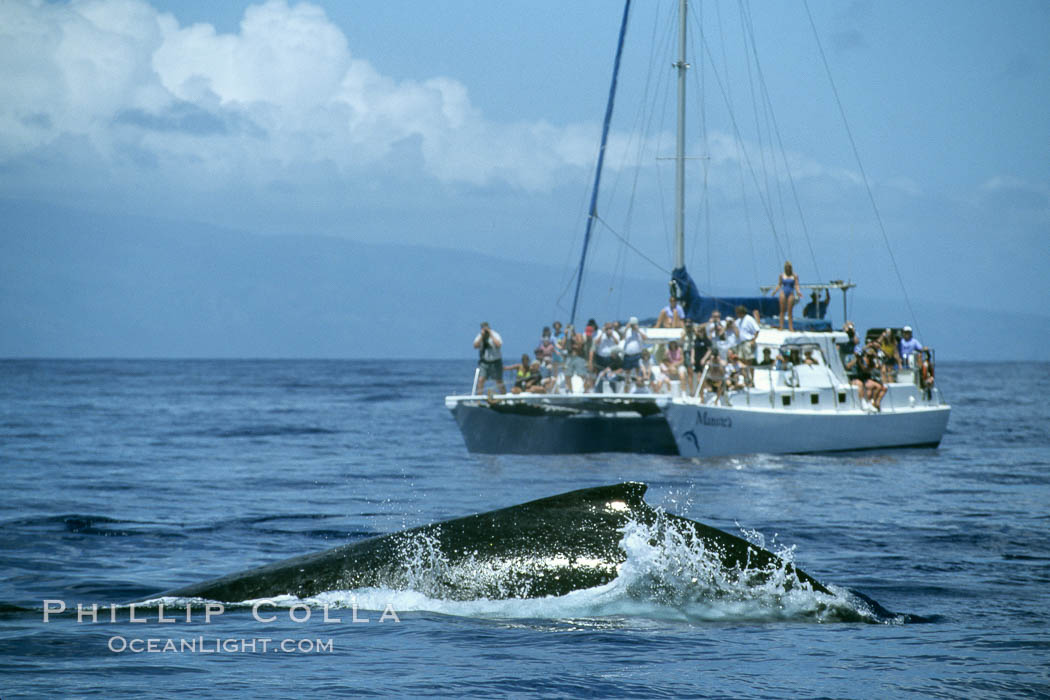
(473, 126)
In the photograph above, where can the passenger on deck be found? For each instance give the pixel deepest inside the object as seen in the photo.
(747, 327)
(565, 342)
(767, 358)
(807, 357)
(557, 358)
(722, 343)
(526, 375)
(851, 333)
(732, 336)
(815, 308)
(643, 373)
(694, 346)
(871, 375)
(671, 316)
(548, 374)
(658, 381)
(535, 384)
(602, 349)
(789, 288)
(577, 365)
(715, 380)
(640, 386)
(855, 374)
(611, 376)
(890, 357)
(633, 339)
(861, 366)
(516, 368)
(589, 332)
(714, 326)
(736, 372)
(546, 347)
(557, 335)
(909, 348)
(490, 357)
(672, 366)
(926, 379)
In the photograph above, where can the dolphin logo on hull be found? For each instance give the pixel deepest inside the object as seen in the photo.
(547, 547)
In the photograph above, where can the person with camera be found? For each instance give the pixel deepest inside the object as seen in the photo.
(634, 339)
(873, 374)
(490, 357)
(605, 342)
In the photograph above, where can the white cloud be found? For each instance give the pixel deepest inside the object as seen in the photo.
(1011, 184)
(1014, 200)
(282, 94)
(905, 185)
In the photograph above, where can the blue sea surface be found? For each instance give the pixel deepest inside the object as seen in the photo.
(124, 478)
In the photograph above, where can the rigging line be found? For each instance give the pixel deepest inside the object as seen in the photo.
(643, 117)
(650, 111)
(635, 133)
(740, 167)
(646, 116)
(665, 85)
(601, 157)
(783, 151)
(860, 166)
(628, 244)
(764, 106)
(763, 120)
(760, 133)
(766, 207)
(569, 253)
(703, 212)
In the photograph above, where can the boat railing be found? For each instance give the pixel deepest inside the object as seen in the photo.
(835, 383)
(699, 392)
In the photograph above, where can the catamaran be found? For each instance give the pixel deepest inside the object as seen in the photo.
(790, 406)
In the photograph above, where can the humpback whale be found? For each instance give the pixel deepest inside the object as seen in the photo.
(547, 547)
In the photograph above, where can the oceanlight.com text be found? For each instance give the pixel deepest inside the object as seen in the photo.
(263, 611)
(218, 645)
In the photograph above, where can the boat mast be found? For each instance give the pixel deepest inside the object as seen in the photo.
(679, 203)
(592, 214)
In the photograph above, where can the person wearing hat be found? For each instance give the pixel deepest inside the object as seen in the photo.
(909, 347)
(633, 339)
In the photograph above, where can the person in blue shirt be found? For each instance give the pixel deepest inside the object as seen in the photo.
(908, 347)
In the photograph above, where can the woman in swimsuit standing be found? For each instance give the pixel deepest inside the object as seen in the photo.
(789, 288)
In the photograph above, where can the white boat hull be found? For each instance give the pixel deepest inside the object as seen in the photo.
(708, 430)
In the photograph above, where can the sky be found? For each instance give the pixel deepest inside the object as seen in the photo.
(473, 126)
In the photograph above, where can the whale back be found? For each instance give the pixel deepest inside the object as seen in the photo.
(550, 546)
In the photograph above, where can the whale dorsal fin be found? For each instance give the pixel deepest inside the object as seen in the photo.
(629, 493)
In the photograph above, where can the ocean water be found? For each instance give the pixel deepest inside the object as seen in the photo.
(125, 478)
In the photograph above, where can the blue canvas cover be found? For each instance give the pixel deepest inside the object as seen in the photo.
(699, 308)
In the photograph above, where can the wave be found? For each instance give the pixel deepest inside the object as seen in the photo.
(78, 523)
(256, 431)
(105, 526)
